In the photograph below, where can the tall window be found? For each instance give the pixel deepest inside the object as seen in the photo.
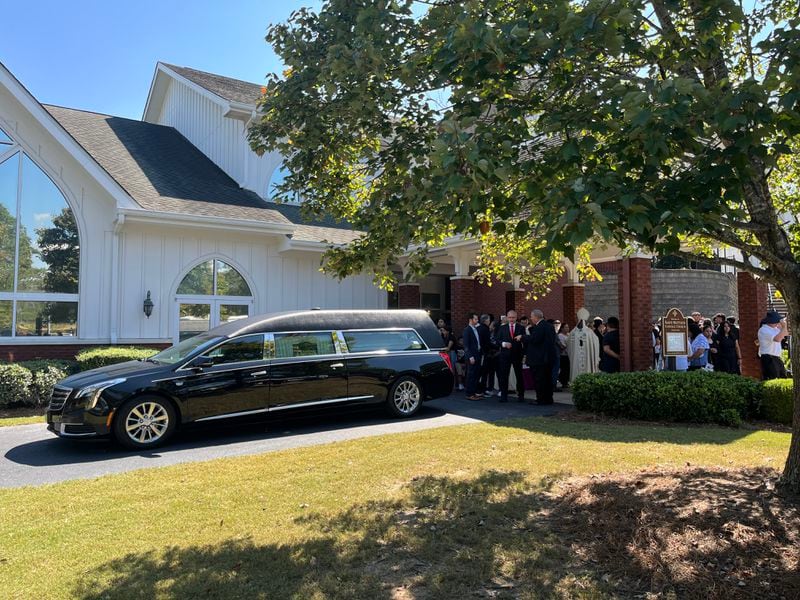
(39, 250)
(211, 294)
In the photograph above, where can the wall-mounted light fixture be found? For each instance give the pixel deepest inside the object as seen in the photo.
(148, 305)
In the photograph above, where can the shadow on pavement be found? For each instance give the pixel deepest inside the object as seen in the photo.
(54, 451)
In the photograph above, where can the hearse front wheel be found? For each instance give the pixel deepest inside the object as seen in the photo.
(144, 422)
(405, 397)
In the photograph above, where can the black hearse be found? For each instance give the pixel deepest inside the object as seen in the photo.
(274, 362)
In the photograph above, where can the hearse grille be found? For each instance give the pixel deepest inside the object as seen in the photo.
(59, 397)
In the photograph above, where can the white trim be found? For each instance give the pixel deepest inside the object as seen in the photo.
(39, 297)
(55, 129)
(65, 340)
(152, 217)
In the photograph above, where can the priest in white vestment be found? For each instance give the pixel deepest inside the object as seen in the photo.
(583, 348)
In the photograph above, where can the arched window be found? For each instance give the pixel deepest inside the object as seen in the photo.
(278, 176)
(212, 293)
(39, 250)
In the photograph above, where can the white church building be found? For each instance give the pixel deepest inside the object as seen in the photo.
(99, 213)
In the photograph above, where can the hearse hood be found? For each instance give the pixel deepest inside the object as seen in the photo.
(132, 368)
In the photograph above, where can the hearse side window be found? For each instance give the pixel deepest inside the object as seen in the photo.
(248, 347)
(376, 341)
(291, 345)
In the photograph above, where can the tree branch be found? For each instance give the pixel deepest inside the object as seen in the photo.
(721, 260)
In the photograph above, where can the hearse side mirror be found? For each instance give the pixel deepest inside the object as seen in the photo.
(201, 362)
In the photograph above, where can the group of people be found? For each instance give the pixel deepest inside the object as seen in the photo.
(714, 344)
(534, 350)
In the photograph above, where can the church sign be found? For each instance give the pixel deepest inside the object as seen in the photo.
(674, 333)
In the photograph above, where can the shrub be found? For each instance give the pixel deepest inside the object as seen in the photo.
(40, 364)
(697, 396)
(777, 400)
(15, 383)
(100, 357)
(42, 384)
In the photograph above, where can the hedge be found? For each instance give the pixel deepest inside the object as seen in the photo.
(101, 357)
(696, 396)
(777, 400)
(21, 385)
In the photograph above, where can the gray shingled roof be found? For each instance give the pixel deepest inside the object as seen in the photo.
(160, 169)
(233, 90)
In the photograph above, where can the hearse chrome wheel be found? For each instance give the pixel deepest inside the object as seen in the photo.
(405, 397)
(144, 422)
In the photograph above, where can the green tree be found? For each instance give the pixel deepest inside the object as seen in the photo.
(59, 248)
(668, 124)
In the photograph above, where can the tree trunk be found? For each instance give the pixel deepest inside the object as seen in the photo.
(791, 472)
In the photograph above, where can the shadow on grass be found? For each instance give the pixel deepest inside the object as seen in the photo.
(694, 534)
(604, 430)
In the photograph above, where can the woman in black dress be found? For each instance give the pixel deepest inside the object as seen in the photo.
(728, 355)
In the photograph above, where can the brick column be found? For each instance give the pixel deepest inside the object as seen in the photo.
(408, 295)
(515, 300)
(462, 300)
(634, 289)
(573, 300)
(752, 308)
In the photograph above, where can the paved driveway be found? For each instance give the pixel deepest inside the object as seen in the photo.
(31, 455)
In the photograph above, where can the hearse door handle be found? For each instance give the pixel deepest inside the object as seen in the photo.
(337, 365)
(258, 374)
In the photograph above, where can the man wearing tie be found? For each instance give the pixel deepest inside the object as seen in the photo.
(472, 355)
(509, 336)
(541, 354)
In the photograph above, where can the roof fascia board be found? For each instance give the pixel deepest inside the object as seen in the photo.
(150, 95)
(151, 217)
(288, 245)
(219, 100)
(62, 136)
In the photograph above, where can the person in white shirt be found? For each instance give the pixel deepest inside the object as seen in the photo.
(770, 335)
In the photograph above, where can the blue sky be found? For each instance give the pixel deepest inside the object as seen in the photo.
(100, 55)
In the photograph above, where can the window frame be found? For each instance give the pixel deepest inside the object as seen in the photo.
(343, 332)
(334, 340)
(7, 152)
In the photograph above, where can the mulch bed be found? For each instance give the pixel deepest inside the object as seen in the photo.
(9, 413)
(686, 533)
(576, 416)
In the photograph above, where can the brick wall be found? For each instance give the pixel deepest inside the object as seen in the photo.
(574, 299)
(491, 299)
(709, 292)
(21, 352)
(462, 301)
(408, 295)
(641, 308)
(752, 308)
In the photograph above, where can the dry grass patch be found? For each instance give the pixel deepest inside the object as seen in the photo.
(688, 533)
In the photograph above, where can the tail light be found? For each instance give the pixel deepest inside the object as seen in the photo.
(446, 357)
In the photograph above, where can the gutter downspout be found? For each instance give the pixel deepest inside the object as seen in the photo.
(114, 296)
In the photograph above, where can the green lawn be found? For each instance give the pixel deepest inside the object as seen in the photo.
(9, 421)
(438, 513)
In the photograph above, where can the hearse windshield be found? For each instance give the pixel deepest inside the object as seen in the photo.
(182, 350)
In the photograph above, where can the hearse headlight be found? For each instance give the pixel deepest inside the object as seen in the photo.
(87, 397)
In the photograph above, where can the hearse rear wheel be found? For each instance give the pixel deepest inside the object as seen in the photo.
(145, 422)
(405, 397)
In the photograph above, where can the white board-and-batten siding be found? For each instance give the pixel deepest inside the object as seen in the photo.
(157, 261)
(222, 139)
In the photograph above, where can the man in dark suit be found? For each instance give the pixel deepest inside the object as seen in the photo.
(472, 356)
(486, 342)
(509, 337)
(540, 342)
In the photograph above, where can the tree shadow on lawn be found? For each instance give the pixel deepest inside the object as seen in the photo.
(696, 533)
(601, 429)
